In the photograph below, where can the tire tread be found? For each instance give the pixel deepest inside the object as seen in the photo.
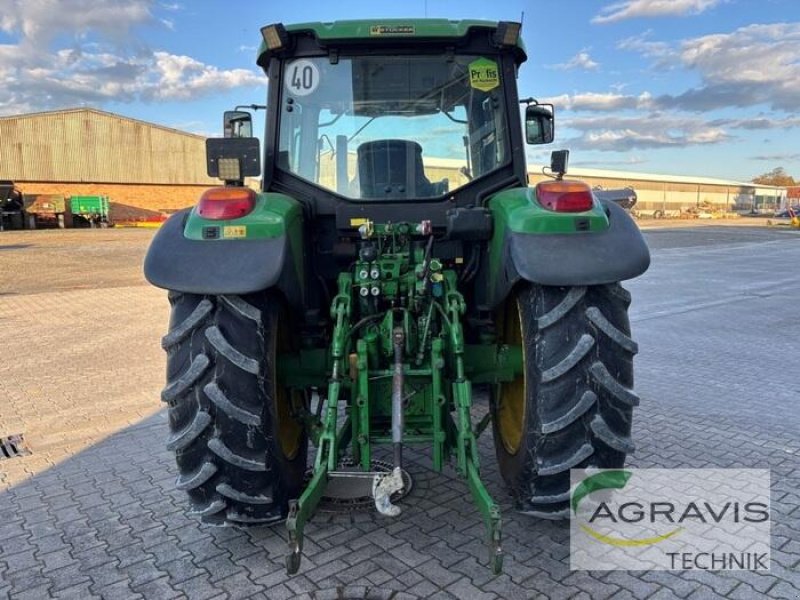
(219, 389)
(579, 380)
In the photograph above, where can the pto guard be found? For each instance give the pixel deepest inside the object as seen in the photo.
(582, 258)
(174, 262)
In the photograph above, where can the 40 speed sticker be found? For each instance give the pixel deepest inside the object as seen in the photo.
(302, 77)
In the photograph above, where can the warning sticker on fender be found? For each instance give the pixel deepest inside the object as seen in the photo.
(234, 231)
(484, 74)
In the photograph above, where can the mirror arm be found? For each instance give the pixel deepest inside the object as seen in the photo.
(252, 106)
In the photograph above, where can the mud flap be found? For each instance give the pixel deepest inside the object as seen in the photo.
(174, 262)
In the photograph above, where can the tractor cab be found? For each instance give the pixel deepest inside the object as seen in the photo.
(390, 128)
(395, 113)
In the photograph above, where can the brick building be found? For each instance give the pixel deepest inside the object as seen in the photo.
(85, 151)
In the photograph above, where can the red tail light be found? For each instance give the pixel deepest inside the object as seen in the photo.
(564, 196)
(225, 203)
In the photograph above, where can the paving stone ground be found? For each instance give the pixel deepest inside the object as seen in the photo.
(92, 513)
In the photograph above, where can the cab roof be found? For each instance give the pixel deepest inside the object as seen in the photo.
(392, 30)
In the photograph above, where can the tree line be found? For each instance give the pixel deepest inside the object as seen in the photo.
(777, 177)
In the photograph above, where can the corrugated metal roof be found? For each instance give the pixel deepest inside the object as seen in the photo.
(89, 145)
(97, 111)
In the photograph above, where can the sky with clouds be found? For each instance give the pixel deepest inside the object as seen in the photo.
(702, 87)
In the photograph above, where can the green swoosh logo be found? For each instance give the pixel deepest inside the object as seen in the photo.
(599, 481)
(604, 481)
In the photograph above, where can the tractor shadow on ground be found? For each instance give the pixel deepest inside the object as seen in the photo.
(116, 522)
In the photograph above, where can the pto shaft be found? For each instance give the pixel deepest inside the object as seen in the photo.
(398, 340)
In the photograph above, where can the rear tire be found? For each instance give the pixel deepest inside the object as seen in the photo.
(572, 407)
(240, 454)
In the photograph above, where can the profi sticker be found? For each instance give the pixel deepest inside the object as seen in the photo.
(484, 74)
(302, 77)
(234, 231)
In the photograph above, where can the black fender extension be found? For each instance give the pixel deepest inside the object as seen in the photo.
(174, 262)
(572, 259)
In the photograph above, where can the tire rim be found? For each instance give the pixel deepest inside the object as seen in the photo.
(510, 416)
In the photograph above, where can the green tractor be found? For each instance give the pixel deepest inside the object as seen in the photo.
(394, 262)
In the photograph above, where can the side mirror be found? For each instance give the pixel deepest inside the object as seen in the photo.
(539, 123)
(237, 124)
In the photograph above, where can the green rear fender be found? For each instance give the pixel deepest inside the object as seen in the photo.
(530, 243)
(261, 250)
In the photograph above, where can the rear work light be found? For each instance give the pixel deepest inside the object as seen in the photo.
(507, 33)
(564, 196)
(225, 203)
(275, 36)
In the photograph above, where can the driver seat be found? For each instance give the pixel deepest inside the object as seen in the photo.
(392, 169)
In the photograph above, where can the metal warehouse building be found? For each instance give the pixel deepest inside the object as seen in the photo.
(90, 152)
(672, 194)
(85, 151)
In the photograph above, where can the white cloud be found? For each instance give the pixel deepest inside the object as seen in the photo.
(630, 9)
(758, 123)
(592, 101)
(623, 134)
(641, 43)
(36, 74)
(756, 64)
(182, 77)
(752, 65)
(777, 157)
(662, 129)
(93, 78)
(581, 60)
(39, 21)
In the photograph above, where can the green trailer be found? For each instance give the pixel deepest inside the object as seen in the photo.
(89, 211)
(394, 261)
